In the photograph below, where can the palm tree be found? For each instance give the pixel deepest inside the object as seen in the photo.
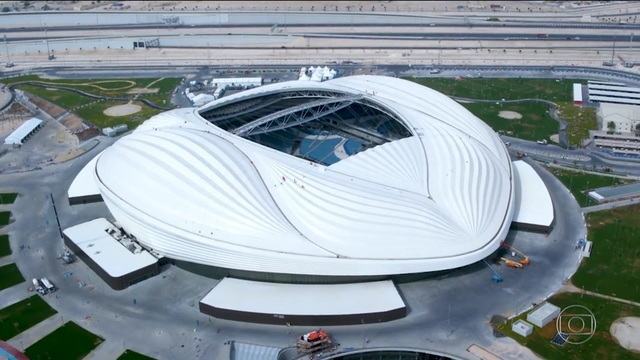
(611, 126)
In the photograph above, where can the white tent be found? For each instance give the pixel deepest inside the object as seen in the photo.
(18, 136)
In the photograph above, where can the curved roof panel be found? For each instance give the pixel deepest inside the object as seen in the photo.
(438, 198)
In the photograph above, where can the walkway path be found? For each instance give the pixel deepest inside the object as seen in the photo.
(14, 294)
(109, 349)
(36, 332)
(611, 205)
(6, 260)
(574, 289)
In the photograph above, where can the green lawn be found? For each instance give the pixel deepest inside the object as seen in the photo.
(614, 265)
(580, 183)
(132, 355)
(496, 88)
(579, 119)
(535, 124)
(5, 248)
(8, 198)
(94, 114)
(63, 98)
(68, 342)
(92, 110)
(22, 315)
(5, 216)
(105, 87)
(600, 346)
(165, 89)
(9, 276)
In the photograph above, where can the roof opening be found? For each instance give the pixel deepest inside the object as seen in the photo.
(317, 125)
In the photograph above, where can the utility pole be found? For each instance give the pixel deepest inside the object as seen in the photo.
(55, 211)
(46, 40)
(613, 52)
(6, 49)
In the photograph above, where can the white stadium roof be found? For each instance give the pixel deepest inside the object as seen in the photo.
(436, 197)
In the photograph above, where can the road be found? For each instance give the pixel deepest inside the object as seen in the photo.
(275, 37)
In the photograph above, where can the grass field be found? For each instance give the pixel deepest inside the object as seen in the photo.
(5, 248)
(132, 355)
(91, 109)
(579, 120)
(496, 89)
(94, 114)
(9, 276)
(68, 342)
(535, 124)
(579, 183)
(22, 315)
(62, 98)
(8, 198)
(106, 87)
(5, 216)
(614, 265)
(600, 346)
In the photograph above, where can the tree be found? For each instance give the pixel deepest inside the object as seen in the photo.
(611, 126)
(638, 129)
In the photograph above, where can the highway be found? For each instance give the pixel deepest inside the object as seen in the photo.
(306, 35)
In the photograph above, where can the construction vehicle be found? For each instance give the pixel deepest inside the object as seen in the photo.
(314, 341)
(496, 277)
(67, 257)
(513, 257)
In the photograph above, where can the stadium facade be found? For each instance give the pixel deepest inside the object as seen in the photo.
(358, 176)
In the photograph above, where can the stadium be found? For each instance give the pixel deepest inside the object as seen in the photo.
(360, 176)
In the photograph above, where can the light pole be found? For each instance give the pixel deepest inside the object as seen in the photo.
(46, 40)
(6, 49)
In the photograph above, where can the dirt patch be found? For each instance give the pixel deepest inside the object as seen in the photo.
(13, 117)
(88, 133)
(626, 331)
(73, 122)
(143, 91)
(52, 109)
(510, 115)
(122, 110)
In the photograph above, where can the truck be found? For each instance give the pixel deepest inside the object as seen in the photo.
(314, 341)
(513, 257)
(48, 285)
(38, 287)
